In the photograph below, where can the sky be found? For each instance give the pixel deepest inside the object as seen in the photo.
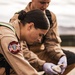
(64, 10)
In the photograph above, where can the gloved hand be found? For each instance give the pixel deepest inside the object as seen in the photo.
(47, 67)
(63, 63)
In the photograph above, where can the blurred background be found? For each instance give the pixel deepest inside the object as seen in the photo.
(64, 10)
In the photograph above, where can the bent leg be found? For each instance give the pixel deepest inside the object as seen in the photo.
(70, 61)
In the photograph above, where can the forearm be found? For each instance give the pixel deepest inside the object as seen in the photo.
(31, 56)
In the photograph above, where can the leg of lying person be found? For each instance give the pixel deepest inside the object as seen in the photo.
(68, 69)
(70, 61)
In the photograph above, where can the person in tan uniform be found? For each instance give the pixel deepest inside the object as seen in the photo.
(29, 28)
(50, 49)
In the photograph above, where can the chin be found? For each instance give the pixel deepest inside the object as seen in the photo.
(43, 9)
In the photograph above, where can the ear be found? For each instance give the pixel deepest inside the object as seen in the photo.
(30, 26)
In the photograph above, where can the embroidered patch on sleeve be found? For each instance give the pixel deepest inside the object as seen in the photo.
(14, 47)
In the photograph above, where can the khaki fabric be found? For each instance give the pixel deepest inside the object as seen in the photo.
(52, 42)
(17, 61)
(50, 50)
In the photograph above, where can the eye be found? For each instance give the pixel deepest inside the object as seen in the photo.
(44, 2)
(41, 35)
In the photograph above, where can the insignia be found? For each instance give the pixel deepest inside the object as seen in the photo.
(14, 47)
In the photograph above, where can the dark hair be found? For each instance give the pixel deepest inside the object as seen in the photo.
(36, 16)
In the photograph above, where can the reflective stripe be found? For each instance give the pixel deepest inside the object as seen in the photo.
(7, 25)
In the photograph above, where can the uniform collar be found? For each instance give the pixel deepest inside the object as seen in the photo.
(29, 7)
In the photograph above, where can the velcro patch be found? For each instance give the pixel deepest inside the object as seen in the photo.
(14, 47)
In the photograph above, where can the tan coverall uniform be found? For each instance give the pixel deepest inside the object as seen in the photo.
(17, 61)
(50, 50)
(51, 47)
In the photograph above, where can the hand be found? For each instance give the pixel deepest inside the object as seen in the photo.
(48, 68)
(63, 63)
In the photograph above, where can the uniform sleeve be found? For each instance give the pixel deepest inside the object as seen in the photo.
(52, 41)
(31, 56)
(16, 59)
(14, 17)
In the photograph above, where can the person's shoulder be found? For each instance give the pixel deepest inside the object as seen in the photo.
(53, 15)
(6, 28)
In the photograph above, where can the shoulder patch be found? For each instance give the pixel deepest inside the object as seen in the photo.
(14, 47)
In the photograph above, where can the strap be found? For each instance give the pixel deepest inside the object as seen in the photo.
(48, 14)
(7, 25)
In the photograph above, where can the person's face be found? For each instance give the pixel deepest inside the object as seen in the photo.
(32, 35)
(41, 4)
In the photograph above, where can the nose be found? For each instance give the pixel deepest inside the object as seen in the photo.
(39, 40)
(45, 5)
